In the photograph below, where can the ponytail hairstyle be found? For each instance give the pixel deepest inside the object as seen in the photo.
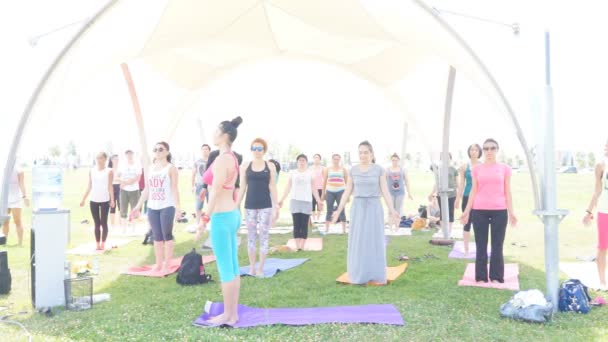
(110, 163)
(166, 146)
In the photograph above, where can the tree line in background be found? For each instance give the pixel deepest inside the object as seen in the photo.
(70, 157)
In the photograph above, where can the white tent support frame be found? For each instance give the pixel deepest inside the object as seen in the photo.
(443, 189)
(45, 78)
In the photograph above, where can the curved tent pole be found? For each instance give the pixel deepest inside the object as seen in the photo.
(10, 161)
(139, 120)
(503, 98)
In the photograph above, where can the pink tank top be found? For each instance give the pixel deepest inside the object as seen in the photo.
(318, 178)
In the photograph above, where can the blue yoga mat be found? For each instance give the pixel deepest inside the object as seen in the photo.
(272, 266)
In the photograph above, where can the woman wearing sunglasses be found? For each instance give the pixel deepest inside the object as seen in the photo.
(161, 192)
(600, 200)
(259, 188)
(490, 208)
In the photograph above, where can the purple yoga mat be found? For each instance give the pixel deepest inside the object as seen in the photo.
(250, 317)
(458, 251)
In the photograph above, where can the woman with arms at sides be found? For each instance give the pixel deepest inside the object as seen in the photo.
(259, 188)
(490, 208)
(301, 181)
(225, 218)
(366, 260)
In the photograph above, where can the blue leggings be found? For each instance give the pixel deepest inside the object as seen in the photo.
(224, 226)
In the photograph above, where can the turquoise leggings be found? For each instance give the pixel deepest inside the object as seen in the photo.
(224, 226)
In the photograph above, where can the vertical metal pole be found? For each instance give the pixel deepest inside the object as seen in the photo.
(445, 157)
(551, 215)
(138, 117)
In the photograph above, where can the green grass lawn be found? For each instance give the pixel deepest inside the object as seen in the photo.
(427, 296)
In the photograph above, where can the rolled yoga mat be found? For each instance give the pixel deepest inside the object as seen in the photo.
(359, 314)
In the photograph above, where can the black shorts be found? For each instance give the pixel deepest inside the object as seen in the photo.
(315, 205)
(451, 201)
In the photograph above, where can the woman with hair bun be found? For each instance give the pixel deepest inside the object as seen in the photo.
(225, 216)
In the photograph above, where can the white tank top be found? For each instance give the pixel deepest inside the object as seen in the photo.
(602, 203)
(159, 189)
(14, 191)
(302, 185)
(99, 185)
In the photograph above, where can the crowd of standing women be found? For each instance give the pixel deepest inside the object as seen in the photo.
(480, 187)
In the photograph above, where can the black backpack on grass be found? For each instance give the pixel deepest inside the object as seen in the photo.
(192, 271)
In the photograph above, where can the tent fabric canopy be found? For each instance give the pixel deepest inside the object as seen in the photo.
(191, 43)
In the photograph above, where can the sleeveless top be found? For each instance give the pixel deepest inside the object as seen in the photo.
(602, 202)
(366, 184)
(258, 191)
(159, 187)
(99, 185)
(115, 180)
(396, 181)
(302, 187)
(468, 181)
(14, 191)
(335, 180)
(318, 174)
(208, 175)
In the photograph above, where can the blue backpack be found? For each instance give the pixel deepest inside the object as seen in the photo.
(573, 296)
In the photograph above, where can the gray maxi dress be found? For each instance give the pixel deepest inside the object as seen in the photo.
(366, 260)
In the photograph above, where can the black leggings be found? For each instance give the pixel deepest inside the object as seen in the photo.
(300, 225)
(465, 201)
(483, 222)
(116, 189)
(100, 217)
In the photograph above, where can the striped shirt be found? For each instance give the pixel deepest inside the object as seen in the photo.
(335, 180)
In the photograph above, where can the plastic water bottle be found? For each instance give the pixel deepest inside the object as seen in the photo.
(101, 297)
(96, 265)
(47, 187)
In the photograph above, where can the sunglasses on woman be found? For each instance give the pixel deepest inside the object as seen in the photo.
(159, 149)
(257, 148)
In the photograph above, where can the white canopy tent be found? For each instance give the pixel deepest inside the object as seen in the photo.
(192, 43)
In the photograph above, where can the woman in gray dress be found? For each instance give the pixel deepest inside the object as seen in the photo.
(366, 260)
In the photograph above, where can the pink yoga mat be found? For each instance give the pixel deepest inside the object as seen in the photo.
(147, 270)
(511, 278)
(312, 244)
